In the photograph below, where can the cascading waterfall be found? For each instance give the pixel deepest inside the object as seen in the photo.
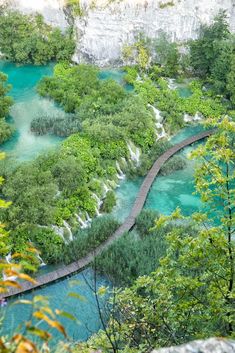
(59, 231)
(171, 83)
(98, 214)
(161, 132)
(157, 113)
(120, 174)
(10, 278)
(82, 223)
(42, 263)
(189, 118)
(88, 218)
(135, 156)
(106, 189)
(99, 201)
(8, 258)
(99, 204)
(113, 184)
(67, 226)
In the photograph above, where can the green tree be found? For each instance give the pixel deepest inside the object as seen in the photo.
(167, 55)
(207, 48)
(231, 80)
(191, 294)
(5, 103)
(32, 40)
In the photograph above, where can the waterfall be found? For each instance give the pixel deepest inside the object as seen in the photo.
(135, 156)
(10, 278)
(98, 214)
(99, 201)
(80, 220)
(8, 258)
(113, 184)
(67, 226)
(197, 117)
(188, 118)
(88, 218)
(59, 231)
(171, 83)
(42, 263)
(106, 189)
(120, 174)
(99, 204)
(157, 113)
(158, 124)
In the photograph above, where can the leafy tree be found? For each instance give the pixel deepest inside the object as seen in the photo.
(207, 49)
(167, 55)
(109, 202)
(33, 195)
(191, 294)
(139, 52)
(5, 103)
(32, 40)
(231, 80)
(70, 85)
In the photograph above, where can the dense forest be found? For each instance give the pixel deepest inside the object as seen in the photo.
(173, 276)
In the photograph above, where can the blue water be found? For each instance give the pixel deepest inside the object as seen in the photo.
(27, 105)
(84, 310)
(168, 192)
(118, 76)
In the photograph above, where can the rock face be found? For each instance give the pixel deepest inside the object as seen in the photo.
(104, 30)
(52, 10)
(105, 26)
(212, 345)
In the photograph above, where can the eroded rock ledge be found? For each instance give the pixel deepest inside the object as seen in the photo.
(212, 345)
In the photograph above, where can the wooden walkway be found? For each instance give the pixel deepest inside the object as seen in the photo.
(125, 227)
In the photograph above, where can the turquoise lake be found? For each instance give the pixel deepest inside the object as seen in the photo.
(166, 194)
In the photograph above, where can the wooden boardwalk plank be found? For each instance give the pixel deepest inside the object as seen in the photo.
(125, 227)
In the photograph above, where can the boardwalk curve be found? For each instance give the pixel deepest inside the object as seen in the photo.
(125, 227)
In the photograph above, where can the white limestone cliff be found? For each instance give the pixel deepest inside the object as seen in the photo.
(211, 345)
(103, 29)
(52, 10)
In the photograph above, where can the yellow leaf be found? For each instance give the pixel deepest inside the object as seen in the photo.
(55, 324)
(9, 283)
(27, 278)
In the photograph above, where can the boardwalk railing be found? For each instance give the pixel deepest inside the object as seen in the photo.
(125, 227)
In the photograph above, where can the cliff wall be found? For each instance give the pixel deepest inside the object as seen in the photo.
(105, 25)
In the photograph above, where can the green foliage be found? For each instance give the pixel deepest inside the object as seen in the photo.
(131, 74)
(33, 41)
(133, 255)
(207, 49)
(6, 131)
(231, 80)
(109, 202)
(167, 55)
(191, 293)
(175, 163)
(139, 52)
(212, 53)
(5, 103)
(33, 194)
(75, 7)
(86, 240)
(58, 125)
(164, 5)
